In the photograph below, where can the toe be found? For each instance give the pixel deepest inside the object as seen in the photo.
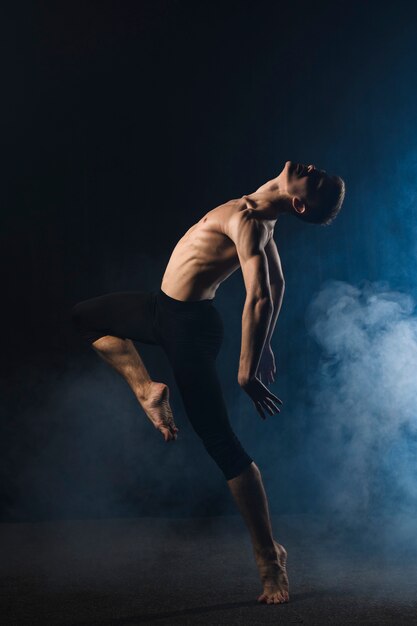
(165, 433)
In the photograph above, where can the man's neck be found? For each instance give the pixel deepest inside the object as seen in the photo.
(269, 198)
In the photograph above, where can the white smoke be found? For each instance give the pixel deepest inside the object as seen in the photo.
(365, 398)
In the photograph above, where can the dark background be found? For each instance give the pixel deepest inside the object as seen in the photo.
(123, 122)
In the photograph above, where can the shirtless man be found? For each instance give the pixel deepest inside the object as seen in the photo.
(181, 317)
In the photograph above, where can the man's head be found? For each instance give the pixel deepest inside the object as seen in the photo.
(313, 195)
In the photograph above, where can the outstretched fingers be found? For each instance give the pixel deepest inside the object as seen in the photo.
(271, 404)
(274, 397)
(267, 404)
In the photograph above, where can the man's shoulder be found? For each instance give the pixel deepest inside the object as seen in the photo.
(230, 214)
(245, 222)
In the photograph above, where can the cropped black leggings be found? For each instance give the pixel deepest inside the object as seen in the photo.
(190, 333)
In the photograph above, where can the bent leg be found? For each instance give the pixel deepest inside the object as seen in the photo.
(124, 314)
(122, 355)
(107, 323)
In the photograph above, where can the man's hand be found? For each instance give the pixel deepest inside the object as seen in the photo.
(267, 368)
(262, 398)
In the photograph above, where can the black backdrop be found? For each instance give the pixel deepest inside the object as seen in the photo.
(122, 124)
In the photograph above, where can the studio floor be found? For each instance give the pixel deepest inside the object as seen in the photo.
(169, 571)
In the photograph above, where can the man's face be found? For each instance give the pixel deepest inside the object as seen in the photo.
(301, 180)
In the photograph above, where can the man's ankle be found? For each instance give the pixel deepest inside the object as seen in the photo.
(142, 391)
(265, 549)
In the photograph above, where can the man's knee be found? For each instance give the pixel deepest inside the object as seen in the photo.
(228, 453)
(82, 320)
(79, 316)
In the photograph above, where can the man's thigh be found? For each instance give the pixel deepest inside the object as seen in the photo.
(125, 314)
(202, 394)
(203, 400)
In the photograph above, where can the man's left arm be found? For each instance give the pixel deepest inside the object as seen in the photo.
(267, 367)
(277, 284)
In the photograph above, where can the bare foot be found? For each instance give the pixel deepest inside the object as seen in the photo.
(155, 402)
(272, 570)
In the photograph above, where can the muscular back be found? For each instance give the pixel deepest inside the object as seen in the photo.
(206, 254)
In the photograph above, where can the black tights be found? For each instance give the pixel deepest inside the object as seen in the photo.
(191, 333)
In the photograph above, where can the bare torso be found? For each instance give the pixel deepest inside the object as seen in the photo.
(205, 256)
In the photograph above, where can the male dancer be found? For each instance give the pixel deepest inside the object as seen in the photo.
(181, 317)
